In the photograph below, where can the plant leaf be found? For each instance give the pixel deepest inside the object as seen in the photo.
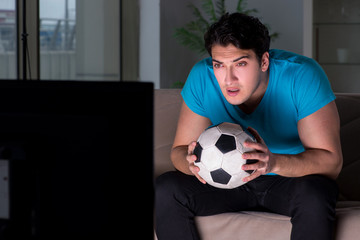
(191, 35)
(190, 40)
(209, 9)
(250, 11)
(240, 6)
(220, 5)
(194, 26)
(201, 21)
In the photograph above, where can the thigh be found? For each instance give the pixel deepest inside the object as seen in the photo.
(202, 199)
(308, 192)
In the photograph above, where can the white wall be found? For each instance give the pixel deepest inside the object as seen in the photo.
(97, 48)
(285, 17)
(149, 56)
(308, 28)
(176, 60)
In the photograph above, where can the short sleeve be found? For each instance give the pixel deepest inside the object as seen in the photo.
(194, 88)
(312, 89)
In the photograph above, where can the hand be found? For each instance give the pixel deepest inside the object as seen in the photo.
(266, 160)
(191, 158)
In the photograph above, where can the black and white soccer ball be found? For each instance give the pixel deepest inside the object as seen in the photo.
(219, 152)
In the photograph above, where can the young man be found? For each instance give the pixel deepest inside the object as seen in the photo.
(286, 102)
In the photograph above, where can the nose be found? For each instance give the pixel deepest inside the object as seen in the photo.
(230, 76)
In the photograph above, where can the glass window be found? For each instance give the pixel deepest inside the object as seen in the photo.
(7, 39)
(79, 40)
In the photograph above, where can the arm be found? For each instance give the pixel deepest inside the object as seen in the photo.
(320, 136)
(190, 126)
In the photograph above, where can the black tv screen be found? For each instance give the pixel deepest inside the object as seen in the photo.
(80, 159)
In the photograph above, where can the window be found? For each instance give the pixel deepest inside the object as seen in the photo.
(8, 38)
(69, 39)
(79, 39)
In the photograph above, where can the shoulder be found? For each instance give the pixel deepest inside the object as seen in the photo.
(202, 66)
(201, 74)
(289, 59)
(296, 68)
(197, 83)
(309, 86)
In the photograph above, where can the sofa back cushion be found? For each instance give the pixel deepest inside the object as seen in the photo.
(167, 104)
(349, 178)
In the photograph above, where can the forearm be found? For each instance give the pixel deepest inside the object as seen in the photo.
(190, 126)
(319, 134)
(311, 161)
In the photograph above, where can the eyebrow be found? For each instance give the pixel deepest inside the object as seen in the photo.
(235, 60)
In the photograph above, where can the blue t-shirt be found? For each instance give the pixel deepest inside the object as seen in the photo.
(297, 88)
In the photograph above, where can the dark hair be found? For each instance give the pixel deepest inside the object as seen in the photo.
(241, 30)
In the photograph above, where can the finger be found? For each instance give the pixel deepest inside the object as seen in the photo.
(194, 169)
(256, 155)
(254, 166)
(200, 179)
(254, 175)
(191, 147)
(255, 145)
(255, 134)
(191, 158)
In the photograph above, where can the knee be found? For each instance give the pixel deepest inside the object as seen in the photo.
(163, 182)
(176, 186)
(315, 194)
(316, 186)
(167, 185)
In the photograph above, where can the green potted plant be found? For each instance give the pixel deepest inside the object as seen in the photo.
(191, 35)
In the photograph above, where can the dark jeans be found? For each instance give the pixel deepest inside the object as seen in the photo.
(309, 201)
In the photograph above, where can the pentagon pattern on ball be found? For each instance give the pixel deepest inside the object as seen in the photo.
(226, 143)
(197, 151)
(220, 176)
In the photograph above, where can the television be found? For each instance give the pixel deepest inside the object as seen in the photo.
(79, 157)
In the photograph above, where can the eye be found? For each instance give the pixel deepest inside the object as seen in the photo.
(241, 64)
(217, 65)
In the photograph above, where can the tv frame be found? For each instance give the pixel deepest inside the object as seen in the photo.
(27, 141)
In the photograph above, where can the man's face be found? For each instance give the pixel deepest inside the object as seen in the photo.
(240, 75)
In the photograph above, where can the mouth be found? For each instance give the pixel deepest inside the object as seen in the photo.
(232, 91)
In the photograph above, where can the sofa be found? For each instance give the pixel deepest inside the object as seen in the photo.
(263, 225)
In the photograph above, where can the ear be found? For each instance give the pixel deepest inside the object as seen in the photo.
(265, 62)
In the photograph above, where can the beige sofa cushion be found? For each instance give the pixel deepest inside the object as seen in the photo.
(244, 225)
(167, 108)
(262, 225)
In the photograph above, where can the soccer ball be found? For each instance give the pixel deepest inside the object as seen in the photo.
(219, 152)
